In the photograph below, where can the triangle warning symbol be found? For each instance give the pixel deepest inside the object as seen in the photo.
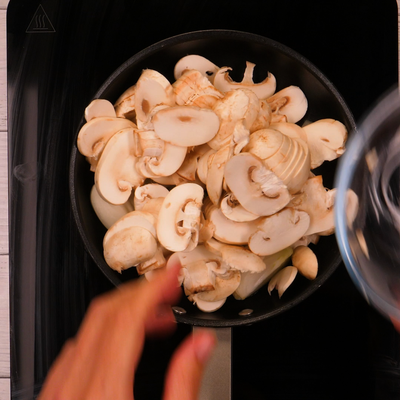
(40, 22)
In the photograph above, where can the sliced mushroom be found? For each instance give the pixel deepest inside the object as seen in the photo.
(236, 257)
(156, 262)
(282, 280)
(326, 139)
(130, 241)
(202, 165)
(279, 231)
(186, 125)
(225, 285)
(152, 89)
(198, 277)
(256, 188)
(318, 203)
(166, 164)
(207, 306)
(147, 192)
(94, 135)
(179, 218)
(192, 88)
(116, 174)
(305, 261)
(189, 166)
(215, 173)
(263, 119)
(199, 63)
(290, 102)
(290, 129)
(251, 282)
(108, 213)
(238, 109)
(233, 210)
(99, 108)
(226, 230)
(264, 89)
(125, 104)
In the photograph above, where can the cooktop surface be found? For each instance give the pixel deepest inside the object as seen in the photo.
(332, 345)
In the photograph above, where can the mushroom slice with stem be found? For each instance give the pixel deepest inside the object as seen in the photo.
(225, 285)
(226, 230)
(256, 188)
(215, 173)
(326, 139)
(116, 174)
(120, 243)
(282, 280)
(236, 257)
(153, 263)
(264, 89)
(188, 168)
(199, 63)
(99, 108)
(125, 104)
(152, 89)
(145, 193)
(94, 135)
(318, 203)
(179, 217)
(251, 282)
(278, 231)
(305, 261)
(290, 102)
(106, 212)
(192, 88)
(186, 125)
(198, 277)
(237, 111)
(233, 210)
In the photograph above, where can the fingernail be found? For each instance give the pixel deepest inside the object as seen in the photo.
(204, 343)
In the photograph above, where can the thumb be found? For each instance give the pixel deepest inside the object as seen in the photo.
(187, 365)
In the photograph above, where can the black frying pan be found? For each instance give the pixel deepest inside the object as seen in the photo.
(224, 48)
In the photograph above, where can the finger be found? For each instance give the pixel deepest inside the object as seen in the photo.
(161, 323)
(187, 365)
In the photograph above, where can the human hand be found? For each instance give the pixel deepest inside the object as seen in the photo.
(100, 362)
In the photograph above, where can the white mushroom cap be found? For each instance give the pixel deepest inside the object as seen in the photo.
(99, 108)
(130, 241)
(186, 125)
(264, 89)
(326, 139)
(305, 261)
(199, 63)
(290, 102)
(289, 129)
(156, 262)
(147, 192)
(116, 174)
(282, 280)
(108, 213)
(256, 188)
(94, 135)
(251, 282)
(279, 231)
(179, 218)
(152, 89)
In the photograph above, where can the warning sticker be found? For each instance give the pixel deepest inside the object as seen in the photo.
(40, 22)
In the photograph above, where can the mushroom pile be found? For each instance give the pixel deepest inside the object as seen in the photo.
(214, 172)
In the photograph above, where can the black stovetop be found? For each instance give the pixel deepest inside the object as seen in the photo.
(332, 345)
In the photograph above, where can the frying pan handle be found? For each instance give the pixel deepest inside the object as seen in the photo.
(216, 384)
